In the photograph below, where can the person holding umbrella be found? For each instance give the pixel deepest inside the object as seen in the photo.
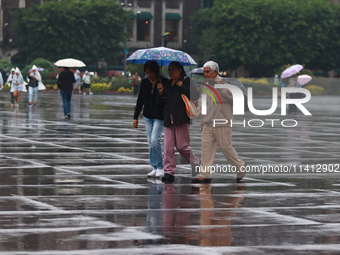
(176, 120)
(65, 84)
(153, 115)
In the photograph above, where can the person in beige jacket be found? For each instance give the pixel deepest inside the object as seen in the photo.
(219, 134)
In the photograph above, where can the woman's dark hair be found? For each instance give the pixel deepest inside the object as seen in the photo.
(152, 65)
(178, 66)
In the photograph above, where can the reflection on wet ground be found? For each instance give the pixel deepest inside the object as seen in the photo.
(79, 186)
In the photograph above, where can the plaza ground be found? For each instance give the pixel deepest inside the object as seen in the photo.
(79, 186)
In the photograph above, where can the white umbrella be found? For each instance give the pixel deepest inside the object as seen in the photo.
(69, 62)
(291, 71)
(304, 79)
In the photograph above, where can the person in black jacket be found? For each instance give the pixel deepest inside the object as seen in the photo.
(153, 115)
(65, 85)
(176, 120)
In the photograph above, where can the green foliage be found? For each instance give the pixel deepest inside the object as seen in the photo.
(133, 68)
(99, 87)
(118, 82)
(305, 70)
(264, 34)
(6, 86)
(86, 30)
(3, 62)
(50, 82)
(125, 90)
(315, 90)
(43, 63)
(100, 79)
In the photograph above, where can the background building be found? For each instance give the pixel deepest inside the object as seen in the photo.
(151, 19)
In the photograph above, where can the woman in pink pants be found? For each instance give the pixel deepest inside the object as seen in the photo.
(176, 120)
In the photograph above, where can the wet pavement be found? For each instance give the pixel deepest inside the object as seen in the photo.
(80, 187)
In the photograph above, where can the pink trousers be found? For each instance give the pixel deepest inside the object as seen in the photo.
(177, 136)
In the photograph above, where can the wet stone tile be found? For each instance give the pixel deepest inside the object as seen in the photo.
(79, 186)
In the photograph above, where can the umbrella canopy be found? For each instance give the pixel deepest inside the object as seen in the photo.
(197, 70)
(291, 71)
(162, 55)
(69, 62)
(304, 79)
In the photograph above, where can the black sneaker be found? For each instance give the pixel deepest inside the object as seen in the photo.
(168, 178)
(69, 116)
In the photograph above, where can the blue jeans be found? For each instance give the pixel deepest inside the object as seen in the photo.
(66, 95)
(154, 129)
(32, 91)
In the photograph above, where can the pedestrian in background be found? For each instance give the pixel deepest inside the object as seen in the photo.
(77, 84)
(87, 82)
(10, 84)
(1, 82)
(33, 86)
(18, 86)
(65, 85)
(136, 81)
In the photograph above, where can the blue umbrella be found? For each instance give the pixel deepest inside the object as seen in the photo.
(162, 55)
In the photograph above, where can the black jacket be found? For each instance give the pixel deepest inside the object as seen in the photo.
(66, 80)
(147, 98)
(173, 103)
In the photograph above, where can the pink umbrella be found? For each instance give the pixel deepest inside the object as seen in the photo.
(304, 79)
(291, 71)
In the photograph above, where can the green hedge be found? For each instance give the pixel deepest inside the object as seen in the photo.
(119, 82)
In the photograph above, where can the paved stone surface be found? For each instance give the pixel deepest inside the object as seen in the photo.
(80, 187)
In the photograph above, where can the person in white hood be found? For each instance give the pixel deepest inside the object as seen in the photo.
(17, 85)
(1, 82)
(33, 85)
(11, 85)
(77, 84)
(87, 82)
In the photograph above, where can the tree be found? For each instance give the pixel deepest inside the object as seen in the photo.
(265, 34)
(40, 63)
(86, 30)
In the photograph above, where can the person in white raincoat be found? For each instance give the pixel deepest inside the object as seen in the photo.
(77, 84)
(87, 82)
(10, 84)
(18, 84)
(1, 82)
(33, 85)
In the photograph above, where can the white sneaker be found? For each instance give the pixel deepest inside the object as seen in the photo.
(91, 93)
(84, 93)
(152, 173)
(159, 173)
